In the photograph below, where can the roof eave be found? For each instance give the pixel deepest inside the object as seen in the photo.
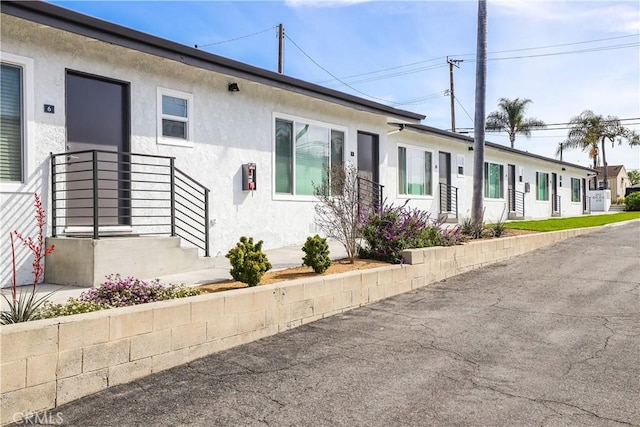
(467, 139)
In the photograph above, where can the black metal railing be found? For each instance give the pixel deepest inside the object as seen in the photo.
(555, 205)
(370, 195)
(516, 202)
(448, 200)
(97, 192)
(586, 206)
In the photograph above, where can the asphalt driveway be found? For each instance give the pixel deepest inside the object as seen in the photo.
(550, 338)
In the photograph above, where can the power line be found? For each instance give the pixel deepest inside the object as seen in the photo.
(553, 45)
(417, 70)
(567, 125)
(465, 110)
(332, 75)
(236, 38)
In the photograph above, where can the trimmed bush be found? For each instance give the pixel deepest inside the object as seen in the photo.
(317, 254)
(248, 262)
(632, 202)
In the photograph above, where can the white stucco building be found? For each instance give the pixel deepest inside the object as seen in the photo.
(72, 84)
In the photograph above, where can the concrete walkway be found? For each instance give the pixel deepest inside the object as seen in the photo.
(550, 338)
(280, 258)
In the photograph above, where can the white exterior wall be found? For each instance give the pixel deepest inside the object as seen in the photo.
(230, 129)
(495, 209)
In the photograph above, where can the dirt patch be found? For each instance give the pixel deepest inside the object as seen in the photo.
(337, 266)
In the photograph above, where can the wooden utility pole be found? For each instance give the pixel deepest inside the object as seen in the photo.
(280, 49)
(452, 63)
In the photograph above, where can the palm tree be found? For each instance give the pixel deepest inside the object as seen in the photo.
(510, 118)
(589, 129)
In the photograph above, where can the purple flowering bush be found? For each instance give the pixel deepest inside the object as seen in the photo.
(396, 228)
(118, 291)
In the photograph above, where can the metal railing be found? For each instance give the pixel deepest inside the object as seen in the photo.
(516, 202)
(555, 205)
(448, 199)
(97, 193)
(586, 207)
(370, 195)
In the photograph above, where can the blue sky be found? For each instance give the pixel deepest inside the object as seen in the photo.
(566, 56)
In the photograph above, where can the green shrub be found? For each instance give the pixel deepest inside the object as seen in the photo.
(396, 228)
(317, 254)
(116, 291)
(632, 202)
(248, 262)
(498, 228)
(472, 228)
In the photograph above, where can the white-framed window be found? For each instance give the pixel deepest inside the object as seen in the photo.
(542, 186)
(415, 171)
(575, 189)
(493, 181)
(175, 117)
(305, 151)
(16, 119)
(460, 163)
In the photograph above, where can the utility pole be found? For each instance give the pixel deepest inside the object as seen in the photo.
(280, 49)
(477, 204)
(452, 63)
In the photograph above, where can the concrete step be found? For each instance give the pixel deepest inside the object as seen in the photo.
(616, 208)
(86, 262)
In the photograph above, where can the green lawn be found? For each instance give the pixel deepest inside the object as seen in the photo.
(555, 224)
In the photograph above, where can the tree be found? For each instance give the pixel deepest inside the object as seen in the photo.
(477, 210)
(588, 129)
(634, 176)
(337, 213)
(510, 118)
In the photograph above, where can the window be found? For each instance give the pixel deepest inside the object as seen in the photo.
(414, 171)
(493, 181)
(542, 186)
(460, 161)
(175, 117)
(304, 151)
(11, 124)
(575, 189)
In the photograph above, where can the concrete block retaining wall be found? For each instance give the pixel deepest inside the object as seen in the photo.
(47, 363)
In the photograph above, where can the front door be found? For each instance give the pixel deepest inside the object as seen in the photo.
(444, 180)
(369, 190)
(554, 192)
(511, 187)
(97, 118)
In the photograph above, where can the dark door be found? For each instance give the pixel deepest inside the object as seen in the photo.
(444, 181)
(369, 190)
(511, 187)
(97, 118)
(554, 192)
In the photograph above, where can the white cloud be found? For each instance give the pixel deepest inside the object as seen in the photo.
(612, 17)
